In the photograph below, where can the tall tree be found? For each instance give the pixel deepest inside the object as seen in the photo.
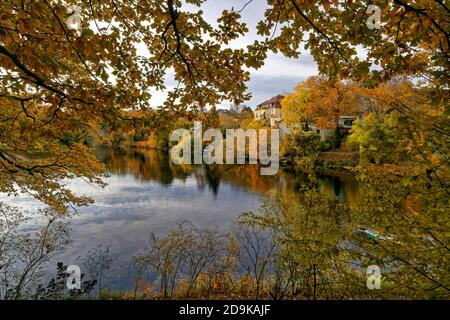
(321, 102)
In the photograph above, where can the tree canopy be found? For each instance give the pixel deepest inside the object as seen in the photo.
(57, 80)
(321, 101)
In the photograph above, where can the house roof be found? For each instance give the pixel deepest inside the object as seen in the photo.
(274, 102)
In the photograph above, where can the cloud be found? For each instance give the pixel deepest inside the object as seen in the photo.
(263, 87)
(280, 66)
(279, 75)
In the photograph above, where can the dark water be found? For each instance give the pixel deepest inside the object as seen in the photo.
(148, 194)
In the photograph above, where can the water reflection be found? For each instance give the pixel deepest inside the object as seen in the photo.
(344, 187)
(155, 166)
(146, 193)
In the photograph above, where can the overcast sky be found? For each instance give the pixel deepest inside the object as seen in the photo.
(278, 75)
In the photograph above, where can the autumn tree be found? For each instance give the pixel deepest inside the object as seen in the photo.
(181, 257)
(294, 106)
(409, 123)
(412, 38)
(320, 102)
(255, 251)
(412, 42)
(66, 65)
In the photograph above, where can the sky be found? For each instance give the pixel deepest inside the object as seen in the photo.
(279, 74)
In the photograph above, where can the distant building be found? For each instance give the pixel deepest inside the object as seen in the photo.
(345, 123)
(271, 110)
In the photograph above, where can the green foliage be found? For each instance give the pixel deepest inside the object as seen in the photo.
(325, 145)
(298, 145)
(313, 259)
(138, 137)
(380, 138)
(118, 139)
(411, 211)
(70, 138)
(338, 136)
(247, 109)
(299, 153)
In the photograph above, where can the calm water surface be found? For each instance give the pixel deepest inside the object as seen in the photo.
(148, 194)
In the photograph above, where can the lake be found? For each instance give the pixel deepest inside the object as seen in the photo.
(146, 194)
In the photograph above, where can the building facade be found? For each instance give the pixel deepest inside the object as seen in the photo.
(271, 111)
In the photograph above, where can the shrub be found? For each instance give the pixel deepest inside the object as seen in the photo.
(298, 145)
(325, 145)
(379, 138)
(337, 138)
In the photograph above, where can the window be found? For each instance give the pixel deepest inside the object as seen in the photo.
(348, 122)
